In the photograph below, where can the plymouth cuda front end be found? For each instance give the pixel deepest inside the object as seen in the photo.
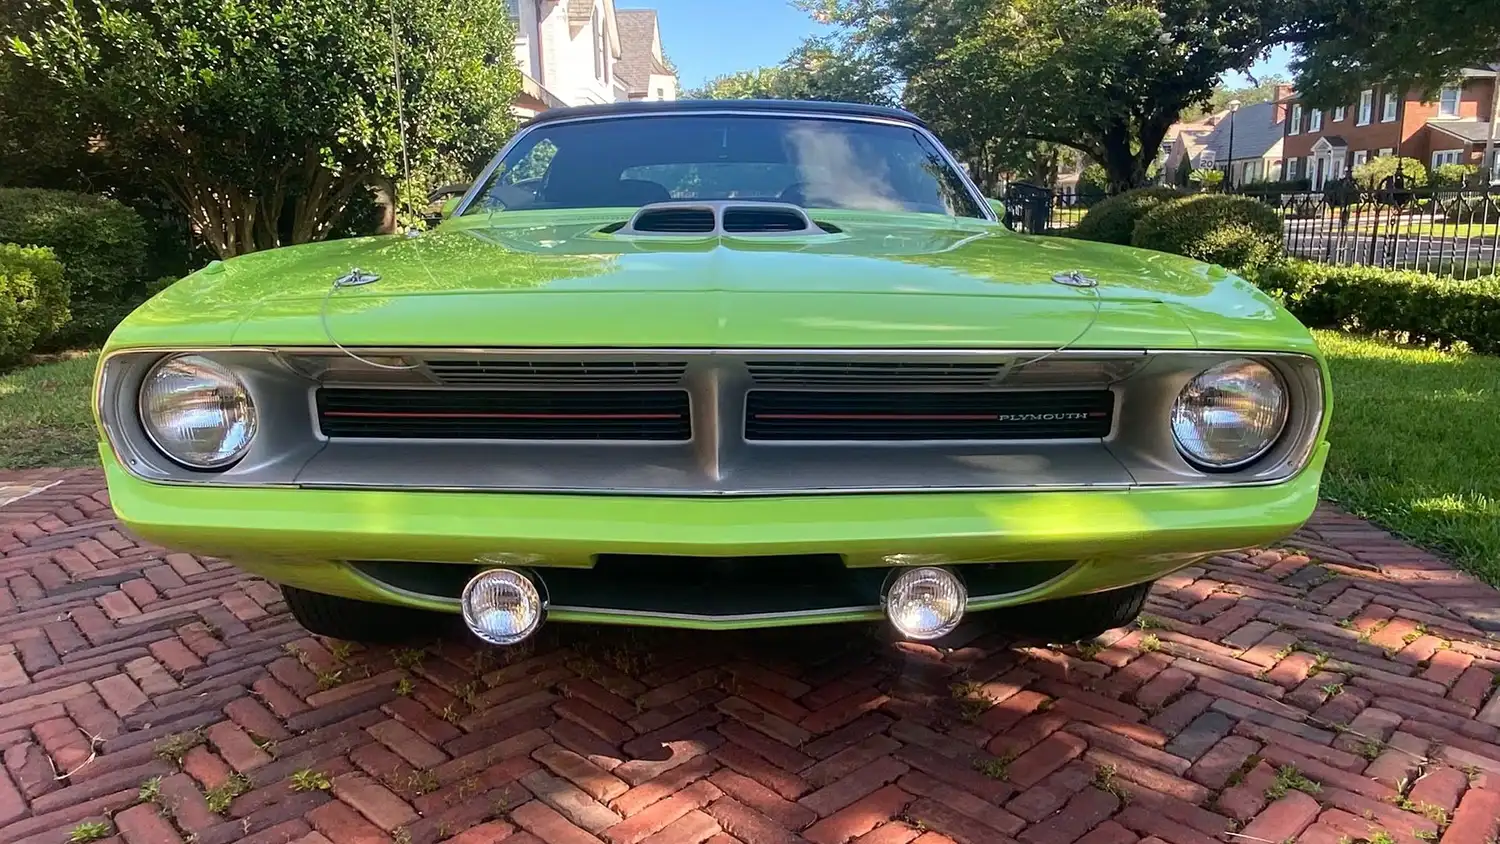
(713, 365)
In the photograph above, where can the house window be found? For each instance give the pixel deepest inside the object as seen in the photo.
(1447, 156)
(1360, 157)
(1294, 127)
(1315, 120)
(1366, 107)
(1448, 101)
(600, 69)
(1293, 168)
(1385, 151)
(661, 93)
(1388, 107)
(514, 7)
(1339, 113)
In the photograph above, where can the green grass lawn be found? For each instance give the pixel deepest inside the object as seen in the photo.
(1416, 445)
(1416, 438)
(45, 419)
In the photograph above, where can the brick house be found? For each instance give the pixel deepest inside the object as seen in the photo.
(1451, 128)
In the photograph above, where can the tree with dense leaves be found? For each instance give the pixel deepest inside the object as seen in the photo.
(819, 69)
(266, 120)
(1261, 91)
(1105, 78)
(1414, 45)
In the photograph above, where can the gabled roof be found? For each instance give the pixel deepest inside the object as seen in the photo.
(638, 55)
(1256, 133)
(1469, 131)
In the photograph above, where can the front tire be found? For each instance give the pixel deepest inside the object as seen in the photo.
(1080, 617)
(356, 621)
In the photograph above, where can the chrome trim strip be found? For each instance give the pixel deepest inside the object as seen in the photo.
(974, 193)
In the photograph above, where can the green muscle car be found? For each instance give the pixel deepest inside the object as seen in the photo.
(713, 364)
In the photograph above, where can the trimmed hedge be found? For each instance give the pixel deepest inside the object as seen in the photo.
(1114, 219)
(102, 247)
(33, 298)
(1425, 308)
(1234, 231)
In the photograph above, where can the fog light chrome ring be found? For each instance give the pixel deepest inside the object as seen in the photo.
(925, 603)
(502, 607)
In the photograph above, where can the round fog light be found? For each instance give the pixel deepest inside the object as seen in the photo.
(925, 603)
(502, 607)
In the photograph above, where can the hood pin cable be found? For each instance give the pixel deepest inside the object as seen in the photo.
(354, 278)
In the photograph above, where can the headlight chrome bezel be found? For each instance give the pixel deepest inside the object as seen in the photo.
(1280, 408)
(226, 378)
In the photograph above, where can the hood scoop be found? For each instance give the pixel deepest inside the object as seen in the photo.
(720, 218)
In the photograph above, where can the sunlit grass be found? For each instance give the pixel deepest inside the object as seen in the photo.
(45, 418)
(1416, 445)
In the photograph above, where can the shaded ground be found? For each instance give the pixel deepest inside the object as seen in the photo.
(1345, 694)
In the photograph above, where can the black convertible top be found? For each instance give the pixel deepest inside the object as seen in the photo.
(690, 106)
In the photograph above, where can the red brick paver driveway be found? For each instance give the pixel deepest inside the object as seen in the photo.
(1266, 697)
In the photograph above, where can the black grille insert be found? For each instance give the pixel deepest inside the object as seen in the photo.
(676, 220)
(980, 415)
(505, 414)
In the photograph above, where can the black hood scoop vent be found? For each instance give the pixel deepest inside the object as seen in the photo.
(720, 218)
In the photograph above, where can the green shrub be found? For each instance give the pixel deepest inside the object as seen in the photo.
(1472, 209)
(102, 246)
(1114, 219)
(33, 298)
(1233, 231)
(1375, 171)
(1423, 308)
(1453, 175)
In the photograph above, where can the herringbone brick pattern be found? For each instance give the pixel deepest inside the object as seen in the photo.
(1341, 688)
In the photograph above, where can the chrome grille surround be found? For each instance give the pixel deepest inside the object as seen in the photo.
(718, 460)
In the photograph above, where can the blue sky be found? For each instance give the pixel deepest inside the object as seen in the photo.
(708, 38)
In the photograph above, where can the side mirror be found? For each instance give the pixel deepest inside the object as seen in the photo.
(450, 205)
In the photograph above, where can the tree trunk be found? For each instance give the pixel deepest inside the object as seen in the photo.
(1122, 166)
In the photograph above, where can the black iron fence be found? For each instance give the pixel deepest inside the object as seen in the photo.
(1449, 231)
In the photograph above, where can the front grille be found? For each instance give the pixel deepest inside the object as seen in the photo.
(841, 373)
(505, 414)
(993, 415)
(558, 373)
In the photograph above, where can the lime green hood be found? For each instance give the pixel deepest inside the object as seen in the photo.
(554, 279)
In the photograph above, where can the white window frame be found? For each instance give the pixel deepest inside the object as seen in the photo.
(1384, 151)
(1390, 107)
(1449, 91)
(1447, 156)
(601, 47)
(1360, 157)
(1366, 107)
(1294, 126)
(1315, 120)
(1339, 113)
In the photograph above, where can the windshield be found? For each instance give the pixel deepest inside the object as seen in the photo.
(808, 161)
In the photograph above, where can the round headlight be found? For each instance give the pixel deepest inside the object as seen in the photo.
(925, 603)
(197, 412)
(1229, 415)
(501, 606)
